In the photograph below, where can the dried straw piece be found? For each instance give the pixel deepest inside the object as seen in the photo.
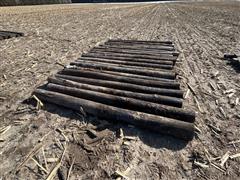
(44, 157)
(30, 155)
(121, 135)
(55, 169)
(237, 101)
(191, 88)
(217, 167)
(3, 130)
(124, 173)
(39, 165)
(70, 169)
(234, 142)
(200, 164)
(223, 112)
(39, 102)
(224, 158)
(129, 138)
(187, 94)
(234, 156)
(51, 160)
(120, 174)
(198, 105)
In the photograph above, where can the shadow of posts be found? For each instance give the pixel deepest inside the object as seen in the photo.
(151, 139)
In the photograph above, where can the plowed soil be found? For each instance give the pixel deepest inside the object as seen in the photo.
(57, 35)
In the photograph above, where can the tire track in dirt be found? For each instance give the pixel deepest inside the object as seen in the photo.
(142, 23)
(135, 21)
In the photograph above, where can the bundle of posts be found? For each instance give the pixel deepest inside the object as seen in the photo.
(126, 81)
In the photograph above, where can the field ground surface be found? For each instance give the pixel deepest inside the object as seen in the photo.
(32, 141)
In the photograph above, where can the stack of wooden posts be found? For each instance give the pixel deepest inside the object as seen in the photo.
(9, 34)
(125, 81)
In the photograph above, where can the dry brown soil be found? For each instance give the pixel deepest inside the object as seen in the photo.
(56, 35)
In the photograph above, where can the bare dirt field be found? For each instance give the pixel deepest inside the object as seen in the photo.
(32, 141)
